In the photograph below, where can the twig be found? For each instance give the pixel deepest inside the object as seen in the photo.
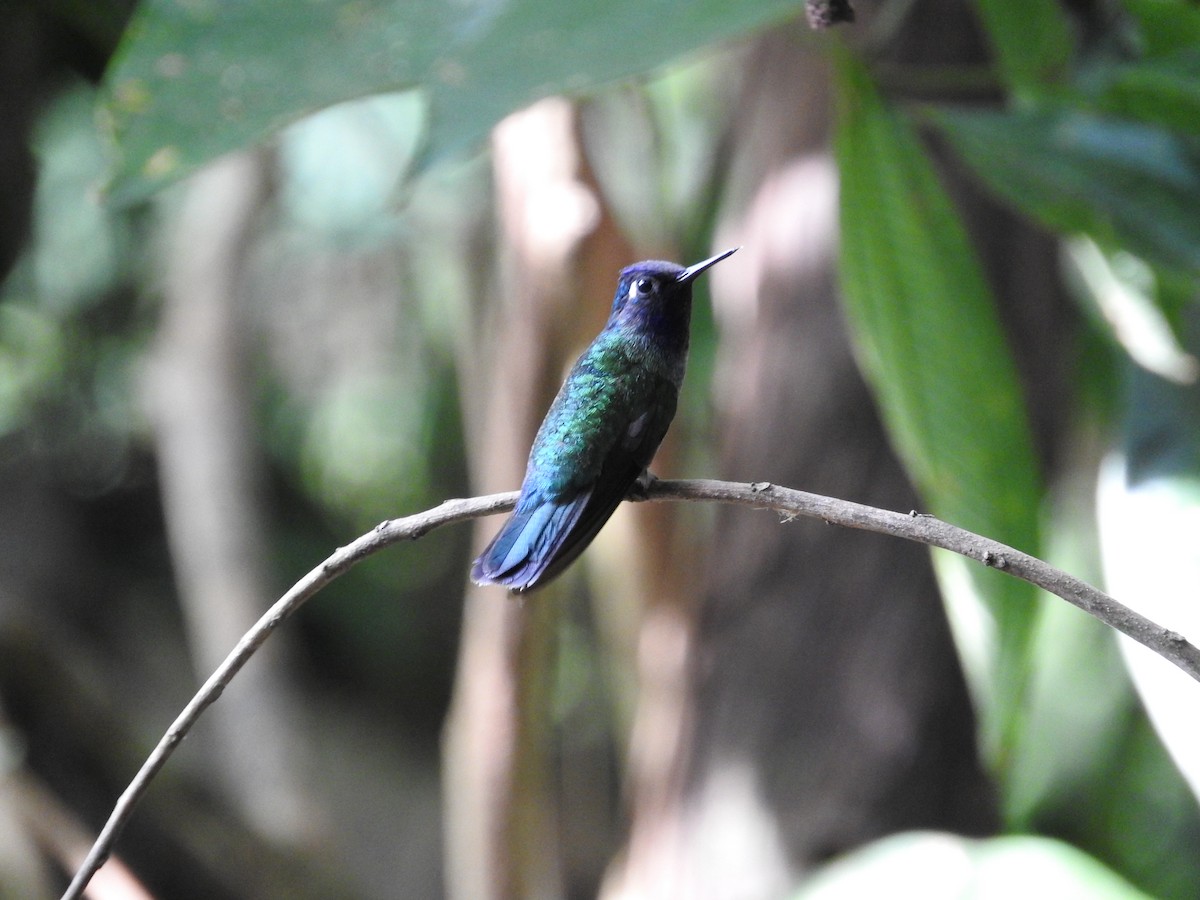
(827, 13)
(761, 495)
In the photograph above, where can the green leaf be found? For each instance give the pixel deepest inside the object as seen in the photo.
(1031, 39)
(929, 341)
(948, 867)
(194, 79)
(1166, 25)
(1119, 181)
(1164, 90)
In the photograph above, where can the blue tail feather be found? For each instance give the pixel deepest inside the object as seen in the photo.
(528, 544)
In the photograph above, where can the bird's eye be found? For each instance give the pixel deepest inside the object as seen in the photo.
(644, 287)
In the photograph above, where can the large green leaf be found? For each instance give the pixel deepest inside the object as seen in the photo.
(1122, 181)
(194, 79)
(928, 338)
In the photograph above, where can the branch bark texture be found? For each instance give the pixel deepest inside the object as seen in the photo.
(787, 502)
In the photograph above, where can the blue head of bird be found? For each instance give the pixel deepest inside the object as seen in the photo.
(654, 298)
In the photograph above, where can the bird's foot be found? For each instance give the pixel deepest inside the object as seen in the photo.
(640, 489)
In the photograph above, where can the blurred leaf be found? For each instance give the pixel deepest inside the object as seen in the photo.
(1166, 25)
(31, 358)
(340, 169)
(1031, 39)
(1144, 314)
(1074, 171)
(1148, 510)
(947, 867)
(1145, 820)
(1163, 91)
(928, 339)
(1115, 793)
(192, 80)
(1079, 694)
(79, 250)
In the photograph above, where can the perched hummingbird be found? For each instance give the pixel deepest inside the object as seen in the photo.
(602, 430)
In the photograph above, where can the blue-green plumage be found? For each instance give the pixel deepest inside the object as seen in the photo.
(602, 430)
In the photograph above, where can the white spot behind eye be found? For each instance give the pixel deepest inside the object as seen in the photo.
(641, 287)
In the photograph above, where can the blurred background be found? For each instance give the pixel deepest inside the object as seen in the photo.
(274, 272)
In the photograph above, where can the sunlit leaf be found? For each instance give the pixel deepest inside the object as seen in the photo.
(1143, 316)
(1148, 513)
(947, 867)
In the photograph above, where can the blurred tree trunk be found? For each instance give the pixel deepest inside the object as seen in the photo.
(829, 704)
(35, 824)
(559, 254)
(210, 471)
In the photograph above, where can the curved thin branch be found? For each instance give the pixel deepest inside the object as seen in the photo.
(338, 563)
(926, 529)
(921, 528)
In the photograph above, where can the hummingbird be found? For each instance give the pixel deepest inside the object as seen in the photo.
(603, 428)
